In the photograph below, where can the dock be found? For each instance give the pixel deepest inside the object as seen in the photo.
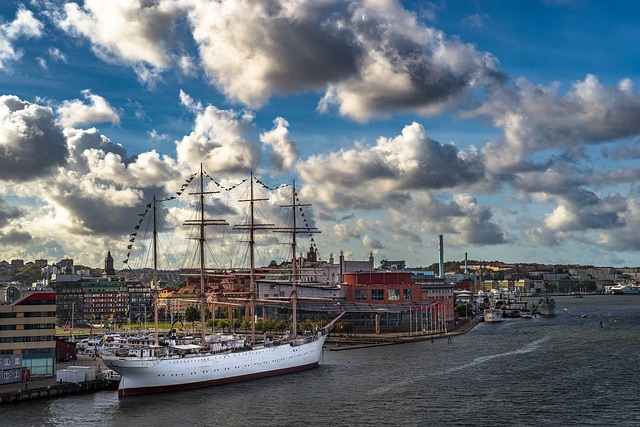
(340, 342)
(49, 387)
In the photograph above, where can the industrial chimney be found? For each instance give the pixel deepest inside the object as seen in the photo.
(466, 267)
(441, 248)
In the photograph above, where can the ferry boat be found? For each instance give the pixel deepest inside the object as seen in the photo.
(215, 359)
(546, 307)
(625, 289)
(492, 315)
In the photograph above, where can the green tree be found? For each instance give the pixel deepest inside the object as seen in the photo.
(29, 273)
(344, 327)
(192, 314)
(462, 310)
(281, 325)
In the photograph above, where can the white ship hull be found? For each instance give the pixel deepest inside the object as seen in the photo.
(144, 375)
(546, 307)
(492, 315)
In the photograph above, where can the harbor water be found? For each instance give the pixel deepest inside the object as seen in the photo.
(577, 368)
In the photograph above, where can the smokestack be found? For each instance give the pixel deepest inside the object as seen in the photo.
(466, 267)
(441, 247)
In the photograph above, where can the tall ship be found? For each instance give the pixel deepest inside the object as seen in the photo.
(546, 306)
(214, 359)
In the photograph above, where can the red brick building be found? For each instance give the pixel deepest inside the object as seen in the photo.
(380, 287)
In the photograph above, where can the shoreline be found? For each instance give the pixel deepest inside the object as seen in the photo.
(359, 341)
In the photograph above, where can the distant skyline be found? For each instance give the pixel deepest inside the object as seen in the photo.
(510, 127)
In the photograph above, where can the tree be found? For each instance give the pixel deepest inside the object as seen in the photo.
(463, 310)
(344, 327)
(192, 314)
(29, 273)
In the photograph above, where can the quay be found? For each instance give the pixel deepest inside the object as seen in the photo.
(48, 387)
(340, 342)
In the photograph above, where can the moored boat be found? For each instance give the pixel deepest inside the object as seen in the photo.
(546, 307)
(492, 315)
(625, 289)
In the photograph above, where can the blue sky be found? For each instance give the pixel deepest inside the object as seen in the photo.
(510, 127)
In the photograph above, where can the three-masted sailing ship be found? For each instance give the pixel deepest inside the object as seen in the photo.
(215, 359)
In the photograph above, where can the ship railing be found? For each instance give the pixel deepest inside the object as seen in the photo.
(142, 351)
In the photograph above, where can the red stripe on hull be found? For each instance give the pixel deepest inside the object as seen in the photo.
(149, 390)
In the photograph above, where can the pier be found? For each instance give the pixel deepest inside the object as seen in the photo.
(339, 342)
(49, 387)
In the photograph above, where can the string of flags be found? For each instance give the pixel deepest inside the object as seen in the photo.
(183, 187)
(132, 236)
(270, 188)
(222, 186)
(307, 225)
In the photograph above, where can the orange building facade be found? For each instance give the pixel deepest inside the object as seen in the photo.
(380, 287)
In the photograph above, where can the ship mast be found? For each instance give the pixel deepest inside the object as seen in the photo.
(155, 275)
(201, 222)
(252, 226)
(252, 264)
(294, 230)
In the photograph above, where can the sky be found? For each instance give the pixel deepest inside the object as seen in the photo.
(509, 127)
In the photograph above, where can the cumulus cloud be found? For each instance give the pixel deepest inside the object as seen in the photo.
(584, 210)
(8, 212)
(370, 58)
(284, 152)
(536, 117)
(623, 238)
(372, 243)
(372, 177)
(25, 25)
(139, 34)
(75, 112)
(31, 144)
(14, 238)
(222, 140)
(627, 152)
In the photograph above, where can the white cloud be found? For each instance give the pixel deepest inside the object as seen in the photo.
(222, 141)
(370, 58)
(284, 152)
(73, 113)
(25, 25)
(31, 144)
(372, 177)
(56, 54)
(139, 34)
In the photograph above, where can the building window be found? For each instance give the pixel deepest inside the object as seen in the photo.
(394, 295)
(361, 294)
(377, 295)
(407, 295)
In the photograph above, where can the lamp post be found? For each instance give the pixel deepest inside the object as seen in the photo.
(73, 309)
